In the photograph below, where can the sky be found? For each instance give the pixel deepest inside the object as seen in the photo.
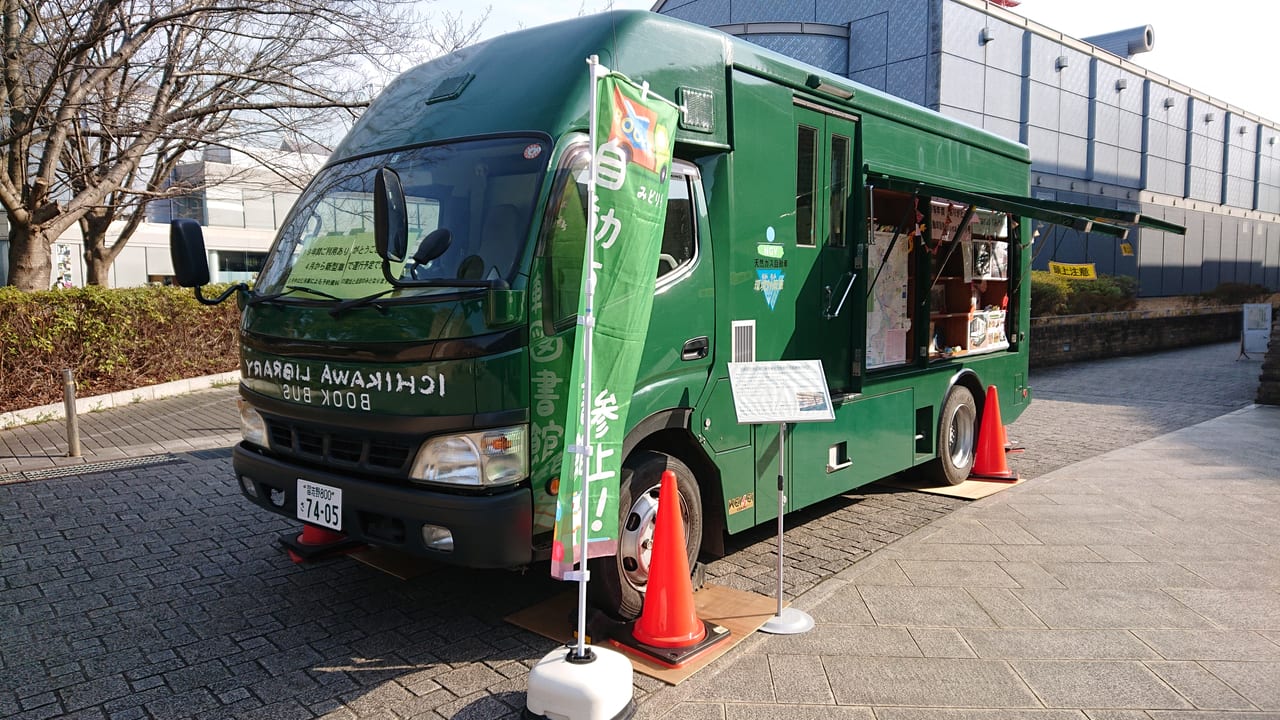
(1225, 48)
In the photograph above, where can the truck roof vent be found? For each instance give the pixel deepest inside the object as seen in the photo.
(697, 109)
(450, 88)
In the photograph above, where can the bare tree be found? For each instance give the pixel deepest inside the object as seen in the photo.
(102, 98)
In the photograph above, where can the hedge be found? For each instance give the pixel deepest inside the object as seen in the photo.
(113, 339)
(1056, 295)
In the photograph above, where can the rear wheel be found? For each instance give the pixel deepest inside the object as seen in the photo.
(618, 583)
(957, 438)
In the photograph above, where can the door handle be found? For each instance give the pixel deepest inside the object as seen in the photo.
(695, 349)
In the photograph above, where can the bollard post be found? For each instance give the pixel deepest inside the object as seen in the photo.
(73, 423)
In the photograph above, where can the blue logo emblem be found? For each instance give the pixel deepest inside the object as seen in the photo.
(770, 283)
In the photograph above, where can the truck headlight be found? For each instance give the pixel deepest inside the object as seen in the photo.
(486, 458)
(252, 427)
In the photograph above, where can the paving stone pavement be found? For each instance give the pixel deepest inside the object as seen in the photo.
(1139, 583)
(155, 591)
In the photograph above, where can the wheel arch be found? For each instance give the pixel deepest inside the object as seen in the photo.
(669, 431)
(969, 380)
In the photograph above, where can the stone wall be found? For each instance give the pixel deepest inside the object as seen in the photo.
(1073, 338)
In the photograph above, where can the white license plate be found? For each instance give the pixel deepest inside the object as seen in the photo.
(320, 504)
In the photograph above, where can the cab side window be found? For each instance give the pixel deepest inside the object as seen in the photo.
(679, 238)
(565, 247)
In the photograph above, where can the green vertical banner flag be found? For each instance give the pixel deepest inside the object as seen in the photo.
(634, 132)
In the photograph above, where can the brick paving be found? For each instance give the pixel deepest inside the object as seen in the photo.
(157, 592)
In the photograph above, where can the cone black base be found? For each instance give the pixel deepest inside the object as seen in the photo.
(677, 657)
(308, 551)
(1011, 477)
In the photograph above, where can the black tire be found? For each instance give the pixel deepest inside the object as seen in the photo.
(957, 438)
(618, 583)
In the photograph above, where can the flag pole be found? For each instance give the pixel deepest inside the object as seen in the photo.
(588, 321)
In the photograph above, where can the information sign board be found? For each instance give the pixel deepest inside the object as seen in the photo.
(780, 391)
(1256, 328)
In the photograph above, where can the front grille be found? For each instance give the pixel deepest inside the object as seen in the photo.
(377, 454)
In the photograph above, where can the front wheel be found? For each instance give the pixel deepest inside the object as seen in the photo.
(957, 438)
(618, 583)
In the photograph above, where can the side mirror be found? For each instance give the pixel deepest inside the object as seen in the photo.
(433, 245)
(186, 249)
(390, 222)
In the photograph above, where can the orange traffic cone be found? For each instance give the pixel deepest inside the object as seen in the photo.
(316, 542)
(668, 630)
(990, 463)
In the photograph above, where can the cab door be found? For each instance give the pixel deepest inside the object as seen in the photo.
(828, 316)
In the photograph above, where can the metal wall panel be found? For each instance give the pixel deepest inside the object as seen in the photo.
(874, 77)
(1234, 249)
(1005, 49)
(1041, 54)
(1172, 263)
(869, 42)
(1044, 150)
(1073, 154)
(908, 29)
(1105, 159)
(1192, 246)
(1075, 76)
(1241, 160)
(1042, 105)
(960, 83)
(822, 51)
(703, 12)
(1003, 93)
(961, 26)
(745, 11)
(909, 80)
(1150, 251)
(1128, 167)
(1258, 256)
(1010, 129)
(1073, 114)
(962, 114)
(1271, 276)
(1211, 258)
(1106, 122)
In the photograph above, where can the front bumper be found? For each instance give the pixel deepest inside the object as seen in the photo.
(489, 531)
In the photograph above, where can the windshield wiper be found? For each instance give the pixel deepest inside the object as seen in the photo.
(357, 302)
(289, 290)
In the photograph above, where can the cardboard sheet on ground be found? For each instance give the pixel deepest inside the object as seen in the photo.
(396, 564)
(968, 490)
(742, 612)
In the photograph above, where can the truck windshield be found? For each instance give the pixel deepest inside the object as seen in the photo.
(482, 191)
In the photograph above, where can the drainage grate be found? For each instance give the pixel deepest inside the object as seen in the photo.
(88, 469)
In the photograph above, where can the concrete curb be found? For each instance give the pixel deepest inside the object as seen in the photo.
(57, 411)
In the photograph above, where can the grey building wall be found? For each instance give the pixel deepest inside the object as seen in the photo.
(1100, 131)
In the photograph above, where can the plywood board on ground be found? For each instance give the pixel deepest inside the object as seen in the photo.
(742, 612)
(968, 490)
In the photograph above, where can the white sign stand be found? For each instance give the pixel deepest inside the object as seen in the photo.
(781, 392)
(1255, 329)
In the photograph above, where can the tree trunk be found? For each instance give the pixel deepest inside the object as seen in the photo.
(30, 258)
(97, 256)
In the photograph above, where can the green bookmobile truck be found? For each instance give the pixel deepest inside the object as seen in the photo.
(419, 404)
